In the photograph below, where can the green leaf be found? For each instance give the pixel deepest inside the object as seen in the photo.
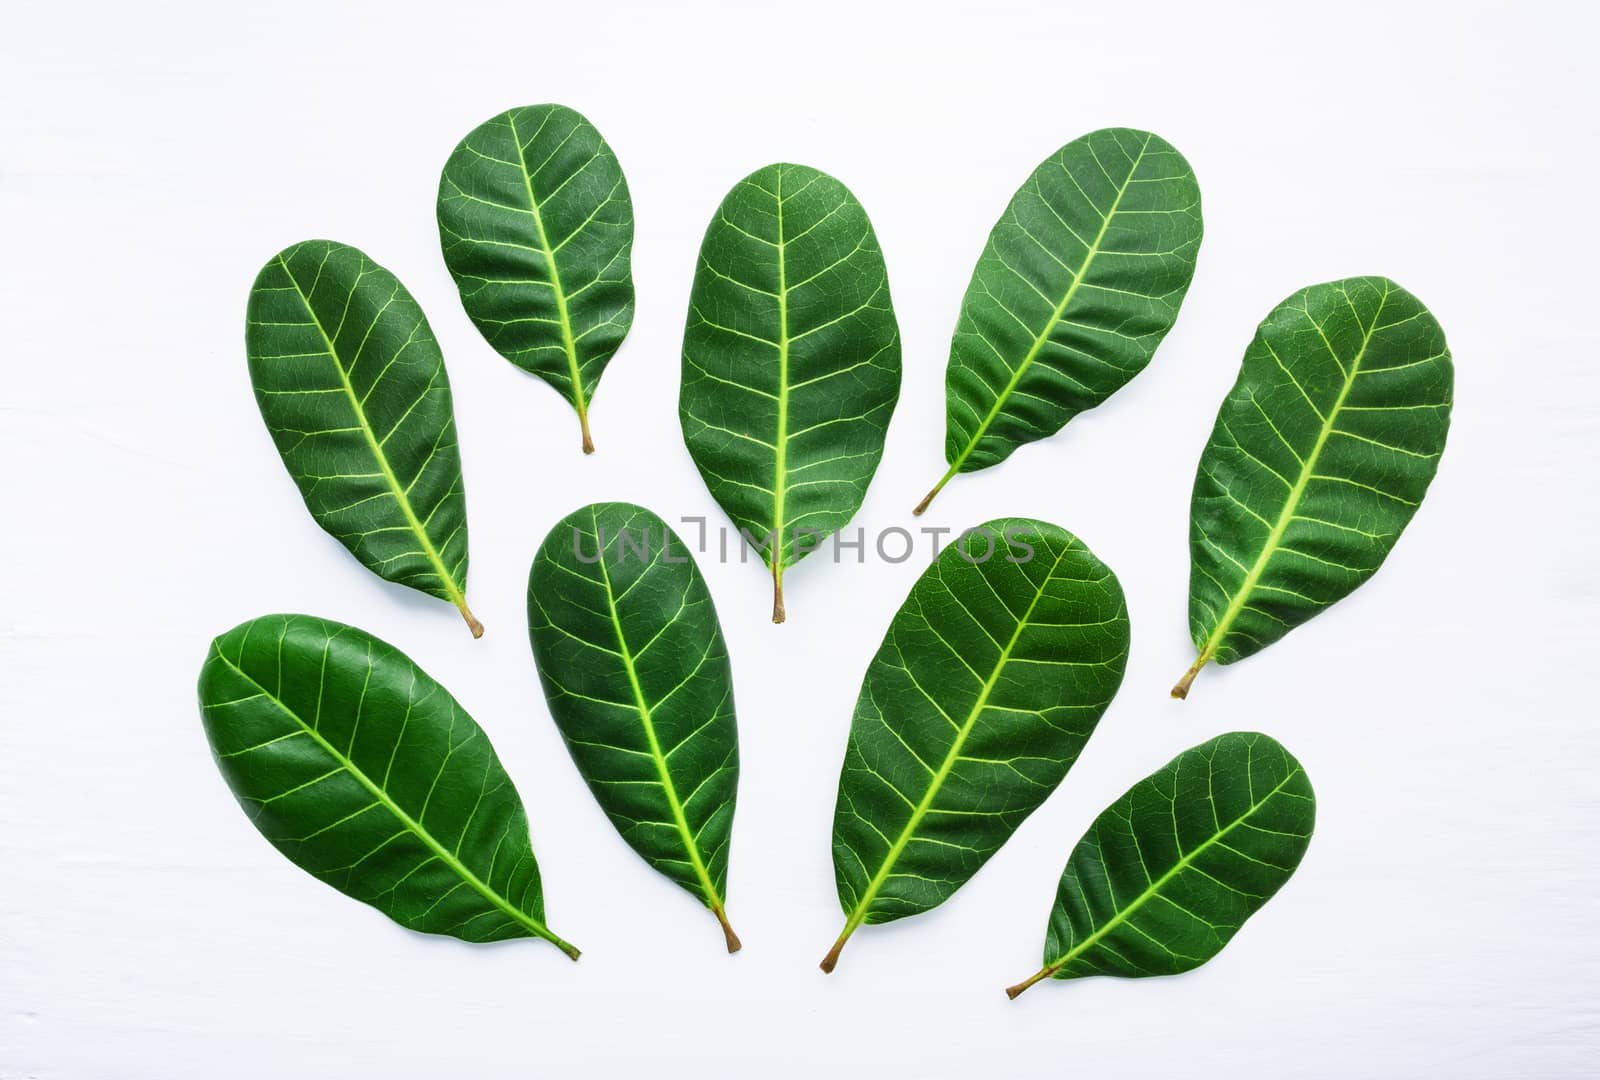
(1169, 872)
(791, 361)
(537, 229)
(634, 668)
(1321, 453)
(1079, 282)
(990, 680)
(367, 774)
(352, 386)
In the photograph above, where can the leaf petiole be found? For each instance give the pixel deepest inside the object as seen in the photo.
(830, 961)
(472, 620)
(583, 423)
(943, 480)
(1181, 690)
(1013, 992)
(734, 944)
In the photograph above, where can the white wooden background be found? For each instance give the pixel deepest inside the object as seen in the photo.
(152, 156)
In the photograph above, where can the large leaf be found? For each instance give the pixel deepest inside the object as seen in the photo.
(791, 361)
(634, 668)
(1169, 872)
(365, 772)
(990, 680)
(1079, 282)
(537, 229)
(1321, 453)
(352, 386)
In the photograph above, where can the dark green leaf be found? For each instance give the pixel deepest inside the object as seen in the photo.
(537, 229)
(990, 680)
(352, 386)
(631, 656)
(1321, 453)
(791, 361)
(365, 772)
(1169, 872)
(1079, 282)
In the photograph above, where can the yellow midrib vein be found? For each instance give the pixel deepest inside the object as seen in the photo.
(713, 900)
(1055, 319)
(781, 444)
(936, 782)
(400, 497)
(568, 342)
(415, 827)
(1307, 468)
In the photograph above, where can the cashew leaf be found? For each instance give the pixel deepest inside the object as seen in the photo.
(367, 774)
(791, 361)
(631, 657)
(988, 684)
(536, 224)
(1321, 453)
(1080, 280)
(352, 386)
(1167, 875)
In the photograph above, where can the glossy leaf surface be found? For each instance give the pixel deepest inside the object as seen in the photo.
(1169, 872)
(352, 385)
(537, 228)
(1321, 453)
(791, 361)
(990, 680)
(366, 773)
(636, 674)
(1079, 282)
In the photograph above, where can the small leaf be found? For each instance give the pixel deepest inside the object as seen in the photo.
(1079, 282)
(367, 774)
(791, 361)
(537, 229)
(1169, 872)
(352, 386)
(631, 656)
(1321, 453)
(990, 680)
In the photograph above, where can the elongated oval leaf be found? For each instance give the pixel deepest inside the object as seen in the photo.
(1321, 453)
(365, 772)
(1168, 873)
(634, 668)
(537, 229)
(791, 361)
(1079, 282)
(990, 680)
(352, 386)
